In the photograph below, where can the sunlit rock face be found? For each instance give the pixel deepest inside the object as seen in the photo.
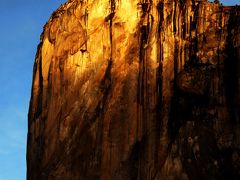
(131, 89)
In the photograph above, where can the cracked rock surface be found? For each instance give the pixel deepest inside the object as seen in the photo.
(136, 90)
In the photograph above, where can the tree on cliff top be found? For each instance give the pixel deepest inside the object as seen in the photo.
(217, 1)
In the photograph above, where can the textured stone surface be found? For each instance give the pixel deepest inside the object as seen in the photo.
(134, 89)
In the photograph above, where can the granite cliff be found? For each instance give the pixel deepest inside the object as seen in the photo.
(136, 89)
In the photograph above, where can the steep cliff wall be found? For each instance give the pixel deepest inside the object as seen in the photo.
(132, 89)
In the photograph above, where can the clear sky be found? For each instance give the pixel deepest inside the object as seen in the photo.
(229, 2)
(21, 23)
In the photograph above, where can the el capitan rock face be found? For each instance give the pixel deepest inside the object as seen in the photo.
(134, 89)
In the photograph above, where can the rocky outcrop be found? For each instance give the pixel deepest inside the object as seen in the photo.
(132, 89)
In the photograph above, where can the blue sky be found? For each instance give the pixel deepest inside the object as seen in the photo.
(229, 2)
(20, 29)
(21, 25)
